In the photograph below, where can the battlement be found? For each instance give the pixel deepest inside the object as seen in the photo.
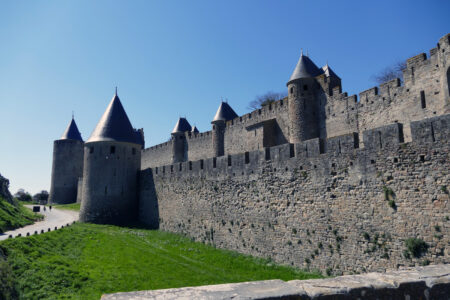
(385, 138)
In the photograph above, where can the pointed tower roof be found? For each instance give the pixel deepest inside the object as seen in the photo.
(182, 126)
(328, 71)
(224, 113)
(71, 132)
(114, 125)
(194, 129)
(305, 69)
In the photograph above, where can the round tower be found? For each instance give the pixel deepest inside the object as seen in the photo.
(67, 166)
(223, 114)
(112, 159)
(303, 107)
(179, 140)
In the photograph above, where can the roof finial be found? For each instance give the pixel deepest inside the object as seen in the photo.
(72, 114)
(116, 91)
(301, 54)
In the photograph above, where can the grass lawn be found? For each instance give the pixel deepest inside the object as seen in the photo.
(84, 261)
(71, 206)
(12, 216)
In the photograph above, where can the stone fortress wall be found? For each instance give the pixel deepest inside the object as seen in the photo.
(424, 94)
(308, 207)
(345, 200)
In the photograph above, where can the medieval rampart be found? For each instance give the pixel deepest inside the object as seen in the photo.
(344, 204)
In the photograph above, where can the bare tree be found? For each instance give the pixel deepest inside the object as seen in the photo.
(266, 99)
(391, 72)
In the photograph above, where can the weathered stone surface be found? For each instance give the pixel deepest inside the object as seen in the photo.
(350, 211)
(431, 283)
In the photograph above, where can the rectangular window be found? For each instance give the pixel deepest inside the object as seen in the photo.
(133, 151)
(214, 162)
(201, 164)
(422, 99)
(291, 150)
(247, 157)
(267, 153)
(190, 165)
(91, 149)
(112, 149)
(229, 160)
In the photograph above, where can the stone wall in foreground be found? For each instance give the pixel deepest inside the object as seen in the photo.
(319, 205)
(431, 283)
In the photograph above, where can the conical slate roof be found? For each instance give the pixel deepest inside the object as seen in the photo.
(328, 71)
(194, 129)
(114, 125)
(224, 113)
(71, 132)
(305, 69)
(182, 126)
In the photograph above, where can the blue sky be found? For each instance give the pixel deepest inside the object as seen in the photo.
(179, 58)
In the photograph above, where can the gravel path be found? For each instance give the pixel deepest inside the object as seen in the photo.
(54, 218)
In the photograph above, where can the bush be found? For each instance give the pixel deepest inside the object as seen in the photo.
(416, 247)
(7, 287)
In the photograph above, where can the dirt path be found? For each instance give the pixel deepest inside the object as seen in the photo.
(54, 218)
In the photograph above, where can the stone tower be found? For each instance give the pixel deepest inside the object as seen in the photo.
(112, 159)
(67, 166)
(303, 106)
(179, 140)
(223, 114)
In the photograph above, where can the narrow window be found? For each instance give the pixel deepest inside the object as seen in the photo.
(91, 149)
(112, 149)
(247, 157)
(229, 160)
(106, 190)
(201, 164)
(291, 150)
(422, 99)
(156, 170)
(305, 87)
(133, 151)
(171, 168)
(180, 167)
(214, 162)
(164, 169)
(190, 165)
(292, 90)
(267, 153)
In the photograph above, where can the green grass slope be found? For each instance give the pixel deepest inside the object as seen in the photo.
(71, 206)
(85, 261)
(12, 216)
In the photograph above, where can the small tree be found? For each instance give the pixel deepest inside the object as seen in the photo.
(22, 195)
(390, 73)
(266, 99)
(41, 197)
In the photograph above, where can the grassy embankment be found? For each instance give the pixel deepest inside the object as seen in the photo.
(85, 261)
(71, 206)
(15, 216)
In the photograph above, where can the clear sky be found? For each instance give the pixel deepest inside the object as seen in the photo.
(179, 58)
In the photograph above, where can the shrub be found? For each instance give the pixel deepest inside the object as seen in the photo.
(366, 236)
(388, 193)
(437, 228)
(444, 189)
(416, 247)
(392, 204)
(7, 287)
(294, 231)
(329, 271)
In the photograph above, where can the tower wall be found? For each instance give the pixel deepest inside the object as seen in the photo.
(303, 111)
(218, 138)
(66, 169)
(178, 147)
(110, 182)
